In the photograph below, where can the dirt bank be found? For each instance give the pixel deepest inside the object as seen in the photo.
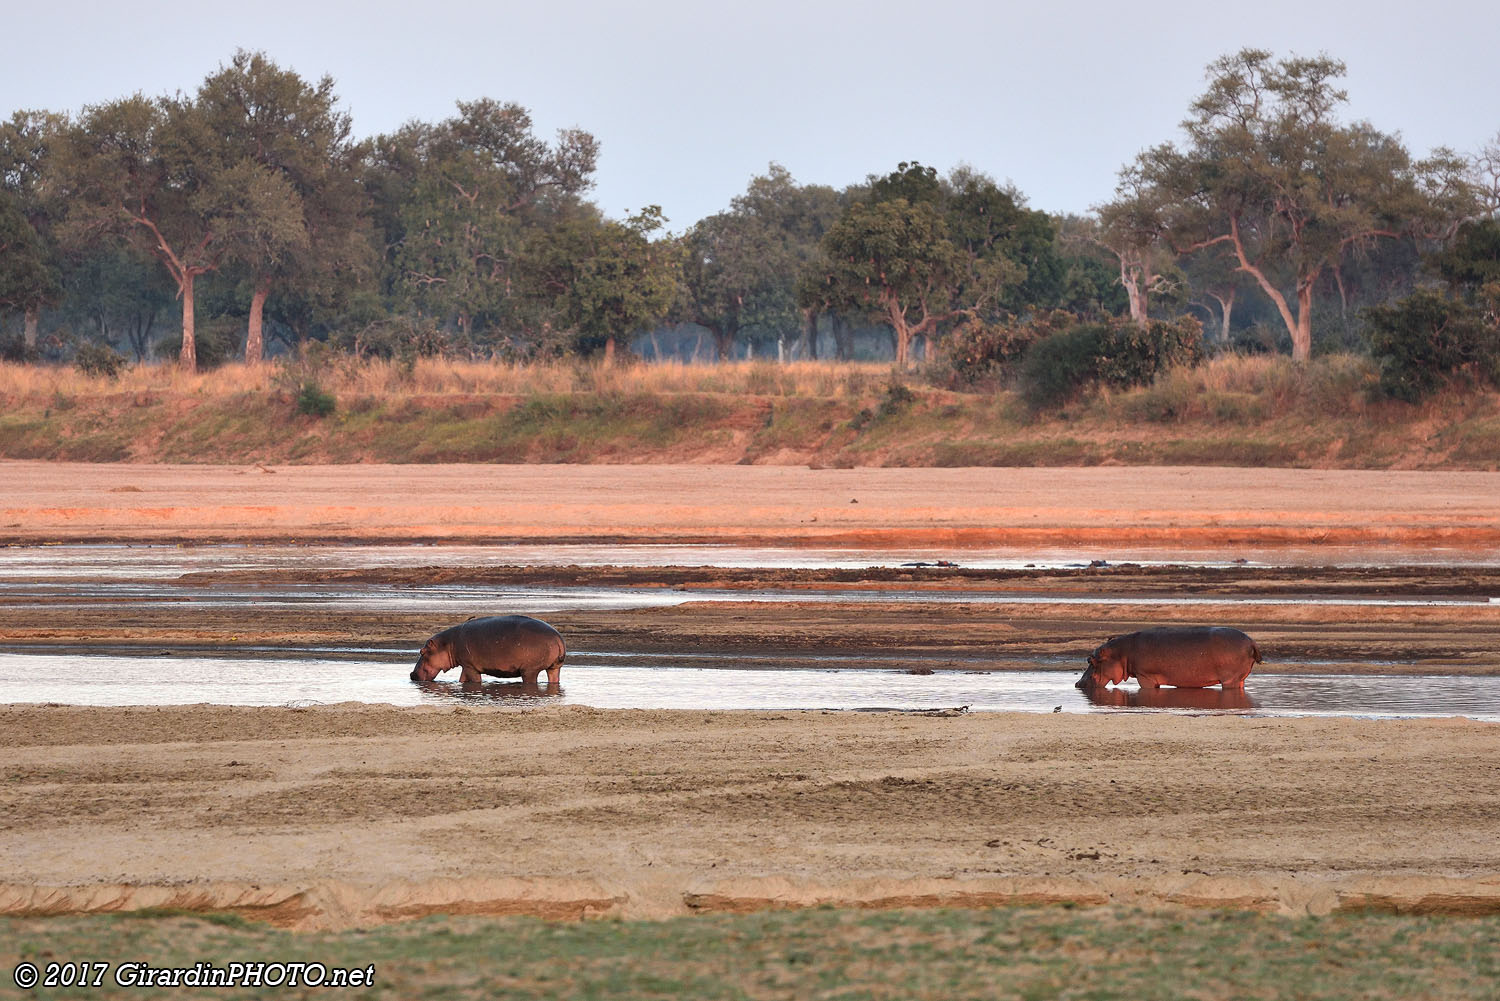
(354, 814)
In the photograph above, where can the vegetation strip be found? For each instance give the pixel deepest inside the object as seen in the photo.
(1006, 953)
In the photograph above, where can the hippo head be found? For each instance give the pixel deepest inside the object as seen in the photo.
(435, 658)
(1106, 666)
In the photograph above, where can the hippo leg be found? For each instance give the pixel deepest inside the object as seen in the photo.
(471, 676)
(554, 676)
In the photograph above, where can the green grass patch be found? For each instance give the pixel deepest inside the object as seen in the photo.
(1477, 442)
(1060, 451)
(940, 954)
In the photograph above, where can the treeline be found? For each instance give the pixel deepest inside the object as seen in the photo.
(249, 206)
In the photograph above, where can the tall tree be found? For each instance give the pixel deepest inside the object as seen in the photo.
(460, 199)
(603, 280)
(741, 267)
(153, 172)
(29, 210)
(895, 253)
(289, 157)
(896, 256)
(1268, 172)
(117, 294)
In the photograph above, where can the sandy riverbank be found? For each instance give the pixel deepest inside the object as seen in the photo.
(348, 814)
(1172, 507)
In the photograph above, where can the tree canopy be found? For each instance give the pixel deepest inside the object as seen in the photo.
(1272, 218)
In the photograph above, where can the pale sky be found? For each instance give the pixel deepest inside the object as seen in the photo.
(690, 100)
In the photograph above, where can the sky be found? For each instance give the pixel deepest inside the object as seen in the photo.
(690, 100)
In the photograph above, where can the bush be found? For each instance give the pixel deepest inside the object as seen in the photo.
(215, 341)
(978, 351)
(1117, 353)
(13, 348)
(400, 338)
(315, 401)
(1428, 340)
(98, 360)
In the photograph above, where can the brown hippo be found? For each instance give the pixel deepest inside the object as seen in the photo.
(1180, 656)
(502, 646)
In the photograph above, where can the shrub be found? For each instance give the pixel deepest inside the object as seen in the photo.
(315, 401)
(13, 348)
(1427, 340)
(898, 398)
(1116, 353)
(978, 351)
(401, 338)
(98, 360)
(215, 341)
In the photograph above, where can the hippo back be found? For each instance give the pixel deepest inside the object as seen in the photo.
(1191, 655)
(510, 641)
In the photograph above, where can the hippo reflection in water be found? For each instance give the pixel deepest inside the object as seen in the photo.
(1202, 699)
(1180, 656)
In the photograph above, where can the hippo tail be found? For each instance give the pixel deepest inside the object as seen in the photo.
(1255, 657)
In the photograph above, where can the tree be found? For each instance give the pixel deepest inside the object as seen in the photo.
(459, 201)
(26, 282)
(1268, 173)
(603, 280)
(289, 159)
(29, 208)
(741, 267)
(896, 255)
(1130, 230)
(117, 294)
(152, 172)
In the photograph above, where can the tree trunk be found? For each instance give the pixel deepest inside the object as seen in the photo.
(1302, 335)
(30, 324)
(843, 337)
(810, 332)
(901, 330)
(609, 350)
(723, 341)
(1136, 284)
(255, 338)
(1299, 327)
(1227, 309)
(187, 360)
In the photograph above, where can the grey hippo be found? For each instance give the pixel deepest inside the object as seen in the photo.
(502, 646)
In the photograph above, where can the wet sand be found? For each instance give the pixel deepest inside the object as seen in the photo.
(332, 816)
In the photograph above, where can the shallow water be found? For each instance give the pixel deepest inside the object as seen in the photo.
(144, 561)
(653, 681)
(464, 599)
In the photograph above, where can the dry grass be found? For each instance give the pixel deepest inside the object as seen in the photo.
(431, 376)
(1230, 410)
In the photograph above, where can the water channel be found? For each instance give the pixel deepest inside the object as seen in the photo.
(769, 680)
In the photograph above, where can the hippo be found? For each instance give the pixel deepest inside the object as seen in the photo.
(1180, 656)
(502, 646)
